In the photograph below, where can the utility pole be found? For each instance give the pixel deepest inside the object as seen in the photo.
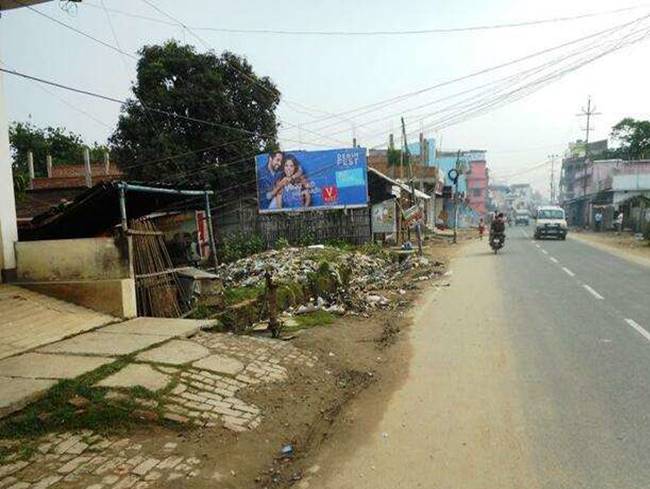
(455, 179)
(589, 113)
(552, 189)
(413, 199)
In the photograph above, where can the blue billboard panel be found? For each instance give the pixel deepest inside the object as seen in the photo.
(304, 180)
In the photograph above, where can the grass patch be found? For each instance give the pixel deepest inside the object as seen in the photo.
(241, 294)
(311, 319)
(54, 413)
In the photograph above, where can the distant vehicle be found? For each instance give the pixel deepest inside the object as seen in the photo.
(550, 221)
(522, 217)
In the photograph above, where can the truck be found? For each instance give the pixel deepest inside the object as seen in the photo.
(522, 217)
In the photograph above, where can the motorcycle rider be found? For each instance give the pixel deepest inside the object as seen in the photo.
(498, 227)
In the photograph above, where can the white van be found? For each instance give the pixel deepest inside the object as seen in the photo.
(550, 221)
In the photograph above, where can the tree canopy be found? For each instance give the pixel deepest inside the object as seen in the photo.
(64, 147)
(633, 137)
(162, 132)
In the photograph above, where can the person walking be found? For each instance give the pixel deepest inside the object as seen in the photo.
(619, 222)
(598, 220)
(481, 228)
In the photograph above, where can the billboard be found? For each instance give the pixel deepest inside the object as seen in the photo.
(312, 180)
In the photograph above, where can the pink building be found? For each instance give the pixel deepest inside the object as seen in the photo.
(477, 185)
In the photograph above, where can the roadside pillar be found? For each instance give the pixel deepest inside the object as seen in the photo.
(208, 216)
(30, 169)
(87, 171)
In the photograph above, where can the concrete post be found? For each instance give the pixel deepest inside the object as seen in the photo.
(8, 226)
(213, 245)
(48, 162)
(30, 168)
(107, 163)
(87, 171)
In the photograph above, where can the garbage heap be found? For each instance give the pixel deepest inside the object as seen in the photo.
(330, 279)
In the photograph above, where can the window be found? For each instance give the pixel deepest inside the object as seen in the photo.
(476, 192)
(550, 214)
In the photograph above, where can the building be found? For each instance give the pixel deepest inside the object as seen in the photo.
(477, 182)
(605, 185)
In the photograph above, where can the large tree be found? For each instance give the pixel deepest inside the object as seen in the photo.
(633, 137)
(195, 118)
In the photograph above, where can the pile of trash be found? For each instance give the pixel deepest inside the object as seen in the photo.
(357, 275)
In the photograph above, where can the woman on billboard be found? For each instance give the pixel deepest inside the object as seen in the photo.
(295, 192)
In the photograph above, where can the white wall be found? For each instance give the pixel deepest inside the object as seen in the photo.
(8, 230)
(639, 181)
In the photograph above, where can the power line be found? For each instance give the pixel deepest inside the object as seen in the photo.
(407, 32)
(160, 111)
(381, 104)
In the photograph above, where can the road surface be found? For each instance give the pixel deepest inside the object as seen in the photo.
(531, 371)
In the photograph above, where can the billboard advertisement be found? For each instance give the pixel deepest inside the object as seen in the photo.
(312, 180)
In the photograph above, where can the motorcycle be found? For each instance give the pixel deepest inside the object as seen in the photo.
(497, 241)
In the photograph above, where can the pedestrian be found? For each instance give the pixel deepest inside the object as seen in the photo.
(619, 222)
(481, 228)
(598, 220)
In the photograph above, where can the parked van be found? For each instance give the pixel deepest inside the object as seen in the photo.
(550, 221)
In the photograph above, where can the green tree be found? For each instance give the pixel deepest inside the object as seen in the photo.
(633, 137)
(65, 147)
(221, 89)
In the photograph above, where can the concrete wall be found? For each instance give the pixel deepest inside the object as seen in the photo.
(93, 272)
(114, 297)
(71, 259)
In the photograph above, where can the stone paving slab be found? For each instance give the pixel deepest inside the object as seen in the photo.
(17, 393)
(221, 364)
(137, 375)
(171, 328)
(110, 344)
(44, 366)
(174, 352)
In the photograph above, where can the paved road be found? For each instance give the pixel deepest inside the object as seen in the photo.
(531, 371)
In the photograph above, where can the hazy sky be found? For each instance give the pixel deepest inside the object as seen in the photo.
(336, 74)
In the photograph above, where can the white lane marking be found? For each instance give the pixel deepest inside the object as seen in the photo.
(593, 292)
(554, 260)
(638, 327)
(537, 246)
(545, 252)
(568, 272)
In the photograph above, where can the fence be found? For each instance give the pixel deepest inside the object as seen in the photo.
(351, 225)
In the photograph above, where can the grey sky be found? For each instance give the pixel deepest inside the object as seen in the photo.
(336, 74)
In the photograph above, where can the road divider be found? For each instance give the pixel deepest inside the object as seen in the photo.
(568, 272)
(593, 292)
(639, 328)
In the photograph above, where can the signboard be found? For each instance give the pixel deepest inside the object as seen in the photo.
(384, 217)
(412, 215)
(312, 180)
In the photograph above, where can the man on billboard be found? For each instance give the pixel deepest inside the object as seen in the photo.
(268, 177)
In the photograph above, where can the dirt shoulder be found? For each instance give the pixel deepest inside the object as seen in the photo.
(447, 416)
(624, 244)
